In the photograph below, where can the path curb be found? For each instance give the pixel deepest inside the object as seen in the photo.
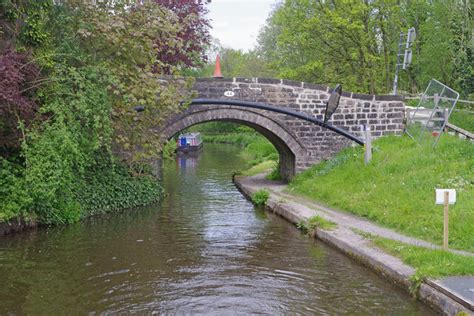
(359, 248)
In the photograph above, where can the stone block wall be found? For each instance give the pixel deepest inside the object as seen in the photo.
(383, 113)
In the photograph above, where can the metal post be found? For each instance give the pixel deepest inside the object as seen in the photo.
(395, 80)
(368, 145)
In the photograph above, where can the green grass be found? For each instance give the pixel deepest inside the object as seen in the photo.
(463, 119)
(396, 189)
(318, 221)
(310, 225)
(262, 167)
(259, 153)
(427, 262)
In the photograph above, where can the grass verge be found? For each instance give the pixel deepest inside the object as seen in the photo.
(264, 166)
(396, 189)
(463, 119)
(260, 154)
(311, 224)
(427, 262)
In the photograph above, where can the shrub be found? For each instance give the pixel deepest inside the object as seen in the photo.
(260, 197)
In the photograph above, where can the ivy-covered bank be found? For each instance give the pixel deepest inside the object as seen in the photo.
(71, 74)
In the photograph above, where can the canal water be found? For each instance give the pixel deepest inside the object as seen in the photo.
(204, 250)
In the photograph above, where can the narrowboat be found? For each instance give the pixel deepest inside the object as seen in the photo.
(189, 143)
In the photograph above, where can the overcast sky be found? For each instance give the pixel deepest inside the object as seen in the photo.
(236, 22)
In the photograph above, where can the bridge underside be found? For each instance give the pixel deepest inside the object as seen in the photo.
(291, 151)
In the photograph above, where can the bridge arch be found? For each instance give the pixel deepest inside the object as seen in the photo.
(285, 141)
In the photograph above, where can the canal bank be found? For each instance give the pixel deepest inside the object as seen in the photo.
(16, 225)
(347, 237)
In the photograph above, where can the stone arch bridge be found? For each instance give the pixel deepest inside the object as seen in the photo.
(300, 144)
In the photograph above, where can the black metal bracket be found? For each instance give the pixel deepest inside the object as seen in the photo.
(261, 106)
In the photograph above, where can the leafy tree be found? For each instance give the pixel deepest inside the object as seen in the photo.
(60, 150)
(234, 63)
(237, 63)
(75, 78)
(355, 43)
(105, 34)
(18, 75)
(22, 25)
(193, 35)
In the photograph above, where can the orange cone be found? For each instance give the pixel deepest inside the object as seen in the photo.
(217, 69)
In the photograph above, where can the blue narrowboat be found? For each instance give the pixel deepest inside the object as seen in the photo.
(191, 142)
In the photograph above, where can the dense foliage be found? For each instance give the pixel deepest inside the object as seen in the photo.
(193, 34)
(355, 43)
(71, 142)
(17, 82)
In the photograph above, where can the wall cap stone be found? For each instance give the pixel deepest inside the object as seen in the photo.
(305, 85)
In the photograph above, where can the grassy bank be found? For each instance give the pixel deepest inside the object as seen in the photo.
(427, 262)
(463, 119)
(260, 155)
(396, 189)
(256, 148)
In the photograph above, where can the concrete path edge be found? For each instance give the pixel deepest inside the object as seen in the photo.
(360, 249)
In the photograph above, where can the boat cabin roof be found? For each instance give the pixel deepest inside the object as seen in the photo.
(190, 135)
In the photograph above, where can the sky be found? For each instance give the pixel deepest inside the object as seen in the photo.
(236, 22)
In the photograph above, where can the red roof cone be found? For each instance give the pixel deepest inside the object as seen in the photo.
(217, 69)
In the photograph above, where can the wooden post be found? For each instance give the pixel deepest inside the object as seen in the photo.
(446, 220)
(368, 145)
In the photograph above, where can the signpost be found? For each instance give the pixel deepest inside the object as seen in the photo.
(445, 197)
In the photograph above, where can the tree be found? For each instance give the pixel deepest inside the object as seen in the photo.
(234, 63)
(18, 76)
(130, 41)
(193, 35)
(355, 43)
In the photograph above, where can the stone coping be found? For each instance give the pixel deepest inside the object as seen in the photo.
(361, 249)
(304, 85)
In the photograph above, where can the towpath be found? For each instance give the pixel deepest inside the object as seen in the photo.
(450, 295)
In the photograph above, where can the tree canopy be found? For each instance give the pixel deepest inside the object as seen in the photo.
(355, 42)
(71, 74)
